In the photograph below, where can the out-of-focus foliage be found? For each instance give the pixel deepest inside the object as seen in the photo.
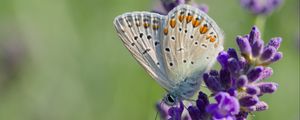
(62, 60)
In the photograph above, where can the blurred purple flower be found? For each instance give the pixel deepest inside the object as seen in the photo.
(167, 5)
(261, 7)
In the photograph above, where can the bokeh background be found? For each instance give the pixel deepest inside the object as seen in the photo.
(62, 60)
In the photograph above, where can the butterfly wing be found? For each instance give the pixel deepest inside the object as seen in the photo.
(141, 34)
(192, 40)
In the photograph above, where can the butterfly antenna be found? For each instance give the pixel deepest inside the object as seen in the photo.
(156, 115)
(157, 111)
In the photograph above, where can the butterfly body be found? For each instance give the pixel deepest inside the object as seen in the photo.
(174, 49)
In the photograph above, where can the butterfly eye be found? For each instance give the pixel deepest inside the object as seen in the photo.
(170, 99)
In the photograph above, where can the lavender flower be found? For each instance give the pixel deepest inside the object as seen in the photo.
(255, 52)
(239, 84)
(170, 112)
(226, 107)
(244, 75)
(261, 7)
(167, 5)
(198, 112)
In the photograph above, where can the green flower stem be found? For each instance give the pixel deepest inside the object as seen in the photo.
(260, 22)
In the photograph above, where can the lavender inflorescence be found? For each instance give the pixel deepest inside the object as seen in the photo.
(168, 5)
(238, 85)
(261, 7)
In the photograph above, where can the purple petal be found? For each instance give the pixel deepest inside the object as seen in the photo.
(202, 101)
(233, 92)
(223, 58)
(175, 113)
(252, 90)
(255, 73)
(254, 35)
(232, 53)
(248, 101)
(205, 76)
(213, 73)
(267, 72)
(225, 78)
(277, 57)
(268, 53)
(242, 115)
(257, 48)
(213, 84)
(242, 62)
(212, 108)
(220, 96)
(260, 106)
(194, 113)
(267, 87)
(233, 65)
(275, 42)
(242, 81)
(244, 45)
(162, 109)
(226, 106)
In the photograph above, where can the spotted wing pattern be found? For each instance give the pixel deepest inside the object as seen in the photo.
(191, 42)
(171, 48)
(141, 34)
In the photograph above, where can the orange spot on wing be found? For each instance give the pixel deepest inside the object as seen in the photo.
(146, 25)
(172, 23)
(155, 27)
(212, 39)
(203, 29)
(166, 31)
(189, 18)
(196, 23)
(180, 18)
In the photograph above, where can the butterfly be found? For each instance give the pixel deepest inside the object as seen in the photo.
(175, 49)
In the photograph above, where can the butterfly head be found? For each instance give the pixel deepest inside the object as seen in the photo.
(171, 99)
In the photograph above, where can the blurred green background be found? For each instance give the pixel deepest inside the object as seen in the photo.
(62, 60)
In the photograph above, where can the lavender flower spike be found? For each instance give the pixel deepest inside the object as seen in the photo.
(261, 7)
(255, 52)
(237, 86)
(167, 5)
